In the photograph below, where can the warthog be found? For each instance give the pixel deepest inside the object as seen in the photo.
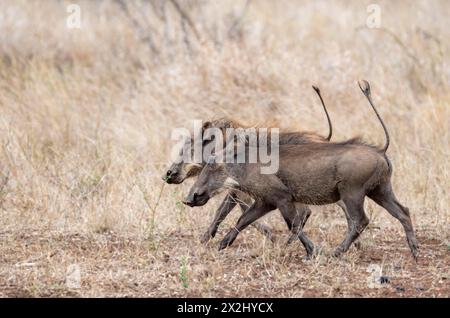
(180, 171)
(311, 173)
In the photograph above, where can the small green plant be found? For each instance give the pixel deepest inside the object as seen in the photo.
(179, 204)
(57, 286)
(183, 273)
(181, 215)
(152, 216)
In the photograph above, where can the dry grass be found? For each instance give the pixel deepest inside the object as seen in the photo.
(85, 123)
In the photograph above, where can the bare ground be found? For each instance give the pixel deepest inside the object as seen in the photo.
(34, 263)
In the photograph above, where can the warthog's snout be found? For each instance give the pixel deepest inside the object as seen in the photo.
(195, 199)
(170, 176)
(190, 199)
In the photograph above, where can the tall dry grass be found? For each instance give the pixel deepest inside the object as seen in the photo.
(86, 114)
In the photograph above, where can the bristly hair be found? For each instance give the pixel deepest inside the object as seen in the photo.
(232, 123)
(225, 122)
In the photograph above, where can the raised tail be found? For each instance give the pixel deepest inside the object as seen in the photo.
(330, 127)
(365, 88)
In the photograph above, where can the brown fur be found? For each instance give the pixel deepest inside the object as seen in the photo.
(311, 173)
(178, 172)
(181, 171)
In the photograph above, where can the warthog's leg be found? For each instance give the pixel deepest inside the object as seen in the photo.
(257, 210)
(358, 220)
(245, 203)
(304, 213)
(385, 197)
(302, 216)
(295, 222)
(347, 217)
(225, 208)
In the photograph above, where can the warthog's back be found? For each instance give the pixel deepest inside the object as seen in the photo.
(315, 172)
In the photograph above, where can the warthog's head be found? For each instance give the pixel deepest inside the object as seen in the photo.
(178, 172)
(180, 169)
(212, 178)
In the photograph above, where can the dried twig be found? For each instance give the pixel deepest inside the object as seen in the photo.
(146, 35)
(186, 17)
(236, 23)
(4, 182)
(397, 40)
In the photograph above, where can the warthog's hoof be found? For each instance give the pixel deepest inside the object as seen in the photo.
(291, 239)
(337, 252)
(414, 247)
(227, 241)
(415, 252)
(267, 232)
(317, 250)
(270, 236)
(206, 237)
(223, 244)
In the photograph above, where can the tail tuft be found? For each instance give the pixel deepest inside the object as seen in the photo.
(365, 88)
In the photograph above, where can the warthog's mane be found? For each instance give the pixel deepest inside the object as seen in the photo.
(226, 122)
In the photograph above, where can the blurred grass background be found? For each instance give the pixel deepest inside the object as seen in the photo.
(86, 114)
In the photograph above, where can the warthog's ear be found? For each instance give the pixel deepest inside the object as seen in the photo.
(224, 123)
(195, 165)
(192, 167)
(206, 125)
(230, 182)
